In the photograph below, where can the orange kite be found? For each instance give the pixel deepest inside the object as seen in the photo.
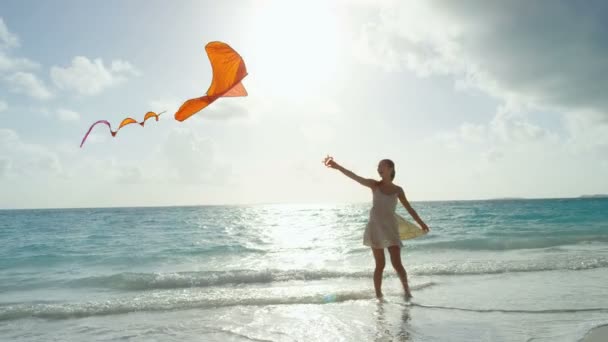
(228, 70)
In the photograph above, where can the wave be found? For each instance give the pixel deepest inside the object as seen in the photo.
(130, 281)
(151, 281)
(152, 303)
(195, 300)
(59, 311)
(47, 258)
(515, 311)
(510, 243)
(498, 267)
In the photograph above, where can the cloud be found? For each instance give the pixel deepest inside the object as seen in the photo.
(7, 137)
(7, 38)
(169, 104)
(67, 115)
(124, 67)
(3, 106)
(24, 159)
(513, 128)
(473, 132)
(588, 131)
(27, 83)
(4, 166)
(91, 77)
(507, 131)
(545, 53)
(227, 109)
(128, 175)
(191, 158)
(8, 64)
(492, 155)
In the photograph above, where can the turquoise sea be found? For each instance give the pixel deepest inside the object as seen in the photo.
(510, 270)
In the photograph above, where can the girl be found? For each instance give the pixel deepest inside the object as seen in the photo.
(382, 229)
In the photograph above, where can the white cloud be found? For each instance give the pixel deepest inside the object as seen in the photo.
(3, 106)
(191, 158)
(27, 83)
(506, 48)
(170, 105)
(67, 115)
(226, 109)
(539, 168)
(4, 166)
(22, 158)
(7, 38)
(129, 174)
(7, 137)
(512, 128)
(507, 131)
(8, 64)
(492, 155)
(588, 131)
(120, 66)
(473, 132)
(91, 77)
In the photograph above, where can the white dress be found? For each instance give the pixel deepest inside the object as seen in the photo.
(382, 229)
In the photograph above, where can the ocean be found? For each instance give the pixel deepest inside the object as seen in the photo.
(508, 270)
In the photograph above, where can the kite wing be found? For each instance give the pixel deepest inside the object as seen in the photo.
(228, 70)
(125, 122)
(150, 115)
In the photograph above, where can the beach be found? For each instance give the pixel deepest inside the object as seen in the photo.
(598, 334)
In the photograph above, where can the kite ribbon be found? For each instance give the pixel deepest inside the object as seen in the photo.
(123, 123)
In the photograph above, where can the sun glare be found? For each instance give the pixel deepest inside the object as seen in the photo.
(294, 47)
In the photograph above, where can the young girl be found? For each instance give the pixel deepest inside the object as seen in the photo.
(382, 229)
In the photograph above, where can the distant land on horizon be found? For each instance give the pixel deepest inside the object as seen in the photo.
(532, 198)
(594, 196)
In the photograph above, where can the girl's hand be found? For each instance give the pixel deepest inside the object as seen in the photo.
(425, 227)
(329, 162)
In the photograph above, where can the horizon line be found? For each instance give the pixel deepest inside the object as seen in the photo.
(595, 196)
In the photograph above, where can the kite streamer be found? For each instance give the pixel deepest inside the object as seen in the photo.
(228, 70)
(123, 123)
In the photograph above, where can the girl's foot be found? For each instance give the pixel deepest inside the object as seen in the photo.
(379, 295)
(408, 295)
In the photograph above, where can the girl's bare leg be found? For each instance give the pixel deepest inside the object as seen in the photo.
(395, 253)
(380, 262)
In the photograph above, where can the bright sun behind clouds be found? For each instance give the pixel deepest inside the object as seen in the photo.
(295, 47)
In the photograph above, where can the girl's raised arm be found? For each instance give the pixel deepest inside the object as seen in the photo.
(330, 162)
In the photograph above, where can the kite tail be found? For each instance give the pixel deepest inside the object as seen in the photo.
(124, 122)
(91, 128)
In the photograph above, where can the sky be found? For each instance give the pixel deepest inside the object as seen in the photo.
(471, 99)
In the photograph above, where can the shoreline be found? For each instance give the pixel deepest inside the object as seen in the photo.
(597, 334)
